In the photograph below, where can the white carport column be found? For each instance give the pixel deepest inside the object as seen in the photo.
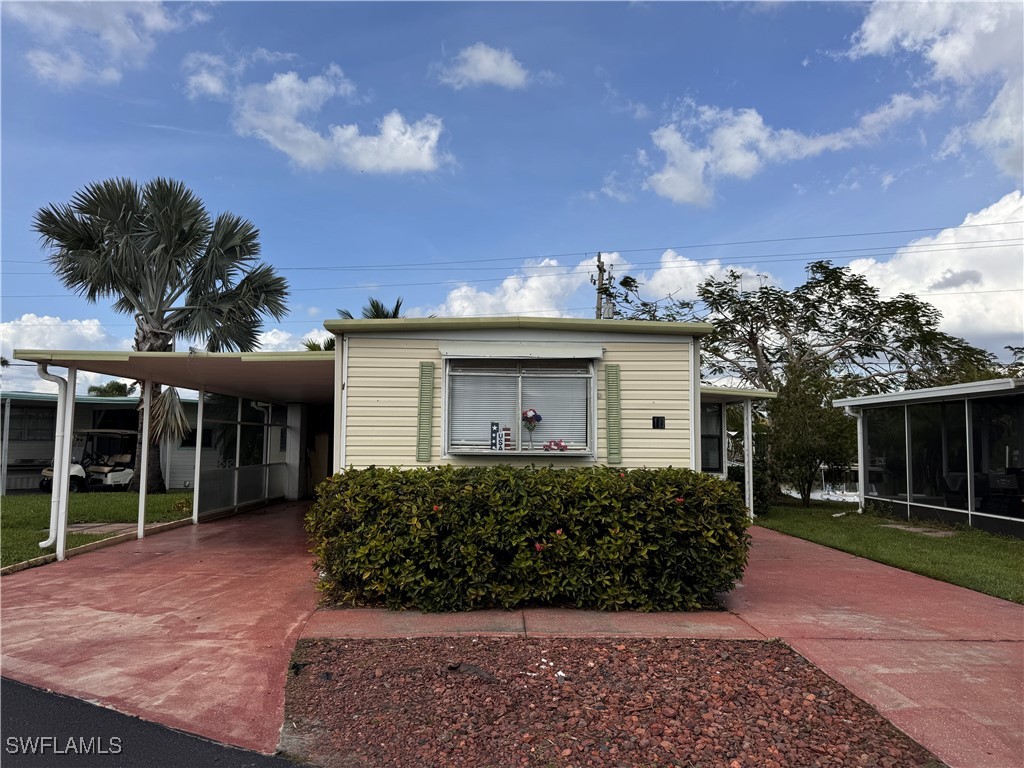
(7, 442)
(143, 462)
(199, 457)
(748, 456)
(64, 484)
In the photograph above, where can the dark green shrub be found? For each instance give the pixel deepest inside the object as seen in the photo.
(460, 538)
(766, 485)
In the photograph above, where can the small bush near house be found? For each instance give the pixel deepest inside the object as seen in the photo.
(462, 538)
(766, 485)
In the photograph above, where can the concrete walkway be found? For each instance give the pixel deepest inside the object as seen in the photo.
(194, 628)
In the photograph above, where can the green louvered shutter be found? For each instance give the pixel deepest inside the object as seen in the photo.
(613, 413)
(426, 412)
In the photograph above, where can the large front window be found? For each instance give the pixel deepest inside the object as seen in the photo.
(487, 400)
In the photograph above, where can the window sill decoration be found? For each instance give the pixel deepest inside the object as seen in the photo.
(530, 421)
(556, 445)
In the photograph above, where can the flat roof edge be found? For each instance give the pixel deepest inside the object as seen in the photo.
(526, 323)
(951, 391)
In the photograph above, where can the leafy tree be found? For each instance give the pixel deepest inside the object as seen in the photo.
(156, 252)
(112, 388)
(807, 432)
(376, 309)
(836, 323)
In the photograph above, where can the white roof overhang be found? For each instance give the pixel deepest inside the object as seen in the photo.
(280, 377)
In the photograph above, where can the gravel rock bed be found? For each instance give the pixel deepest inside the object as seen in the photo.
(499, 702)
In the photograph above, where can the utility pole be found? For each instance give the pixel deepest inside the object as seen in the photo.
(599, 282)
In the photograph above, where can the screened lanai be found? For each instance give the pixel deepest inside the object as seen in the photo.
(953, 453)
(260, 432)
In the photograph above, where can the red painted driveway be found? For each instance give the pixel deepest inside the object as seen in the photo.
(192, 628)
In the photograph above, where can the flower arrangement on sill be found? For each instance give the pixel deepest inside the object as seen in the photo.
(556, 445)
(530, 421)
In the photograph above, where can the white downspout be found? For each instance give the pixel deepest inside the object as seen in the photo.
(147, 401)
(65, 480)
(748, 455)
(58, 449)
(199, 457)
(862, 464)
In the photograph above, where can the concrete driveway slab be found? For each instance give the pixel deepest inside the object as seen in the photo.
(192, 628)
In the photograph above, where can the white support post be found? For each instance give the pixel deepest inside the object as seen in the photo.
(65, 468)
(6, 448)
(862, 458)
(143, 461)
(238, 448)
(199, 457)
(340, 404)
(748, 455)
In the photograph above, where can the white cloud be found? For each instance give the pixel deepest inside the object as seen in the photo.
(962, 273)
(93, 42)
(276, 340)
(32, 331)
(480, 64)
(707, 143)
(539, 289)
(279, 113)
(678, 276)
(969, 45)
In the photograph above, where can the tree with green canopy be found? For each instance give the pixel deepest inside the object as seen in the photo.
(159, 256)
(833, 336)
(836, 323)
(112, 388)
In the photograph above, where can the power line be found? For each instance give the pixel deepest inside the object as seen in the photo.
(691, 246)
(693, 264)
(881, 250)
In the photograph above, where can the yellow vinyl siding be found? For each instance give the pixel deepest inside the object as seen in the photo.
(655, 382)
(383, 398)
(383, 392)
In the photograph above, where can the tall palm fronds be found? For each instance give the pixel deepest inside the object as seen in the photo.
(375, 309)
(157, 254)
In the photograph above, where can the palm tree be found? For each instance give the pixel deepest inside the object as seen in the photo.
(312, 345)
(376, 310)
(160, 257)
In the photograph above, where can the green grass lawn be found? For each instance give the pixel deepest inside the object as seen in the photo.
(970, 558)
(25, 519)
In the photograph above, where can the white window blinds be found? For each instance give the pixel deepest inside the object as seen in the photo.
(482, 392)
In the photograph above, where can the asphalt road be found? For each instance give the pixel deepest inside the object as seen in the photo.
(39, 729)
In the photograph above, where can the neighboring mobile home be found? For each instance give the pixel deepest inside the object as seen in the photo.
(952, 453)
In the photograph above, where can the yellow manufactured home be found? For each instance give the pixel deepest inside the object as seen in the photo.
(428, 391)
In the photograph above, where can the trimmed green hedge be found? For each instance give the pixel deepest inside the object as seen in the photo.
(459, 538)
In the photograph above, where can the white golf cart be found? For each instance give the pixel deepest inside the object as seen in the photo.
(100, 458)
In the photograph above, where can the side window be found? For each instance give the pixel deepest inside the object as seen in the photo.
(711, 454)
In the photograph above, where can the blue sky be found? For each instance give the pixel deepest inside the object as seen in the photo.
(473, 158)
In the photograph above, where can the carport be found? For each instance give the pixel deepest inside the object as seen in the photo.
(265, 408)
